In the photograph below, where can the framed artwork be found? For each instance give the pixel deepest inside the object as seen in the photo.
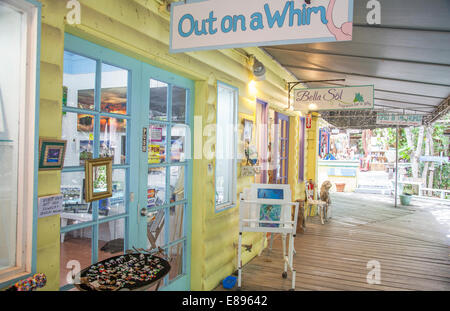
(51, 154)
(98, 181)
(270, 213)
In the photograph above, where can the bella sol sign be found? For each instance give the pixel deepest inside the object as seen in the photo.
(219, 24)
(334, 98)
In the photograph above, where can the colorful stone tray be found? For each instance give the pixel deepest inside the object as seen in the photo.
(114, 268)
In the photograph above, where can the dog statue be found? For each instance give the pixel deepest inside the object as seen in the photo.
(325, 195)
(301, 221)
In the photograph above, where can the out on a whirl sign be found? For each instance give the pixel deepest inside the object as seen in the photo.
(218, 24)
(334, 98)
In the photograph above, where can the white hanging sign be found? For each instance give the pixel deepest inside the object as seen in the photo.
(334, 98)
(50, 205)
(396, 119)
(219, 24)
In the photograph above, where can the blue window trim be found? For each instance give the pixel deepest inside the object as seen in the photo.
(218, 208)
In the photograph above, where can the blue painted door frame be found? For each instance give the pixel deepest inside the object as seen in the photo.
(137, 119)
(149, 72)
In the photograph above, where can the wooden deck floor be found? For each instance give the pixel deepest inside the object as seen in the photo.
(411, 244)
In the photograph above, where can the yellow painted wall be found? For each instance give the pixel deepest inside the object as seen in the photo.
(52, 46)
(312, 140)
(312, 143)
(140, 29)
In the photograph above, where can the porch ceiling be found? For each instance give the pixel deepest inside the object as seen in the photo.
(407, 58)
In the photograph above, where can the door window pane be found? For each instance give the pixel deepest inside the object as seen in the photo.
(156, 222)
(78, 81)
(176, 260)
(111, 239)
(158, 100)
(176, 222)
(157, 144)
(75, 246)
(157, 186)
(114, 89)
(75, 209)
(179, 97)
(177, 180)
(178, 143)
(78, 130)
(113, 139)
(117, 201)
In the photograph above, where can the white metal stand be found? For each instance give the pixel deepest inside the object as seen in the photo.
(250, 207)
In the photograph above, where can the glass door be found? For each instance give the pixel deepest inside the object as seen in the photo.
(99, 99)
(166, 171)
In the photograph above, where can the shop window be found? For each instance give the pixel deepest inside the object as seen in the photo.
(262, 140)
(301, 164)
(18, 59)
(226, 140)
(282, 134)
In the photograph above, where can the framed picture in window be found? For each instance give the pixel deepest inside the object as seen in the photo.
(98, 181)
(51, 154)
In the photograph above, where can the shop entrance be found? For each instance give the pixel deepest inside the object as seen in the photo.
(115, 106)
(282, 148)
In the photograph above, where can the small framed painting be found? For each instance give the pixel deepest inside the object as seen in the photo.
(51, 154)
(98, 181)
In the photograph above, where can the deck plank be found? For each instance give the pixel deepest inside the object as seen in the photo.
(412, 245)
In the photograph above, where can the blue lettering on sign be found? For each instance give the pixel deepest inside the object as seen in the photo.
(211, 21)
(237, 18)
(257, 21)
(188, 25)
(276, 17)
(228, 28)
(180, 25)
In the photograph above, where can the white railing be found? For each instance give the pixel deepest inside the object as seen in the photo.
(442, 195)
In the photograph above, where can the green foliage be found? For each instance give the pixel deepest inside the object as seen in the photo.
(408, 190)
(404, 153)
(440, 148)
(441, 178)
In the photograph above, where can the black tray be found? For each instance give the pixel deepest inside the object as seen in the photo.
(139, 285)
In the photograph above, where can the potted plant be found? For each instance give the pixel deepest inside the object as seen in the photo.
(340, 187)
(405, 198)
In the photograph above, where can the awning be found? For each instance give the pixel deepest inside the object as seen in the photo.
(407, 58)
